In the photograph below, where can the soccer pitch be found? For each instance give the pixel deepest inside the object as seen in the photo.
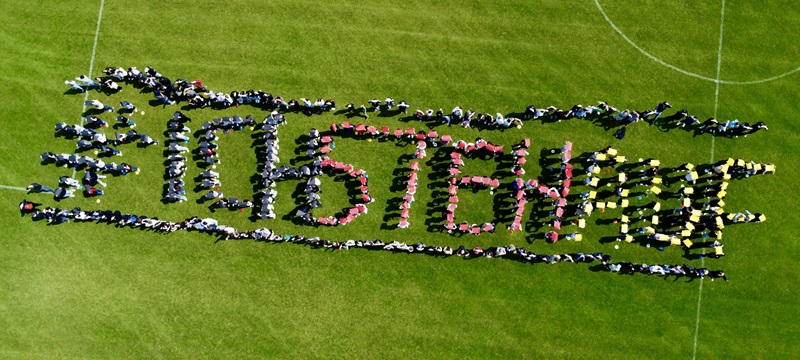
(85, 290)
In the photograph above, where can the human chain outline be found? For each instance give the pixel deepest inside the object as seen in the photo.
(700, 216)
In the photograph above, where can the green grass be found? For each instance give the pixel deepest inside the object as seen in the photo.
(93, 291)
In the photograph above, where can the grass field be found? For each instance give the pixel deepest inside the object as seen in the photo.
(95, 291)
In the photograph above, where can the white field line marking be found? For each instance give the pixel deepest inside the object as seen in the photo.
(697, 323)
(689, 73)
(716, 108)
(91, 63)
(719, 57)
(13, 188)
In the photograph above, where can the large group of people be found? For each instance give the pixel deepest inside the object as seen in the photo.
(67, 186)
(646, 177)
(666, 270)
(194, 93)
(213, 227)
(199, 96)
(207, 151)
(408, 198)
(693, 221)
(269, 158)
(558, 194)
(461, 147)
(468, 119)
(603, 111)
(312, 192)
(90, 137)
(88, 163)
(681, 118)
(176, 171)
(606, 159)
(695, 224)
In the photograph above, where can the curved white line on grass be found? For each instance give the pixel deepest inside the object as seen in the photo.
(776, 77)
(13, 188)
(682, 71)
